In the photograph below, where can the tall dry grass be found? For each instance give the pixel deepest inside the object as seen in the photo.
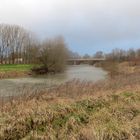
(107, 110)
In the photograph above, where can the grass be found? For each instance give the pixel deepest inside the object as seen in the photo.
(119, 68)
(102, 119)
(15, 67)
(15, 70)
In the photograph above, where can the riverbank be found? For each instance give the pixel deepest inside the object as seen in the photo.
(105, 110)
(21, 85)
(15, 70)
(119, 68)
(14, 74)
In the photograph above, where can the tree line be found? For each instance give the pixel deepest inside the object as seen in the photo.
(115, 55)
(17, 45)
(124, 55)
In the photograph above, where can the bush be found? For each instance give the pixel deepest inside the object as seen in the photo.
(53, 55)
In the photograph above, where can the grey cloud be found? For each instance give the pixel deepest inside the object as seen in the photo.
(94, 21)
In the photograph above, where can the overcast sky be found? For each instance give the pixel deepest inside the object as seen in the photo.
(87, 25)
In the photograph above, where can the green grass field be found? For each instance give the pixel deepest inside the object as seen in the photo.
(16, 67)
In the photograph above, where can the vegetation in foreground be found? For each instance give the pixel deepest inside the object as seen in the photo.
(76, 110)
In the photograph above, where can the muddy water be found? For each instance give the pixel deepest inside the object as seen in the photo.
(13, 87)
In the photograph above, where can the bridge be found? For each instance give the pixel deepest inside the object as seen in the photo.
(90, 61)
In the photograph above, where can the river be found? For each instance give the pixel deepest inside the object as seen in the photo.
(17, 86)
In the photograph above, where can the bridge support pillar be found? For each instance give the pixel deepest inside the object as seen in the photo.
(75, 63)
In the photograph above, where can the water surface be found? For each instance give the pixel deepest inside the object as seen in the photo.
(12, 87)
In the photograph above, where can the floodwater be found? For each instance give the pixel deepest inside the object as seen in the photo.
(17, 86)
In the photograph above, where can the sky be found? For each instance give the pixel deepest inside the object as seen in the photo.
(87, 25)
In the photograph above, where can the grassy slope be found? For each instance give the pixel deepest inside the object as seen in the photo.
(116, 68)
(15, 70)
(15, 67)
(115, 117)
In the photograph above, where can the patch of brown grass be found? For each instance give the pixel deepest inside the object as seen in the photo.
(13, 74)
(115, 68)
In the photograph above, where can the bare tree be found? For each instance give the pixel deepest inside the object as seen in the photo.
(86, 56)
(117, 55)
(14, 41)
(138, 53)
(99, 54)
(53, 55)
(73, 55)
(4, 42)
(131, 54)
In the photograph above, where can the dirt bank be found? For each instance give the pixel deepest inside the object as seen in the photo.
(13, 74)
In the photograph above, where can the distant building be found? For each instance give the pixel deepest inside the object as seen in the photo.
(18, 60)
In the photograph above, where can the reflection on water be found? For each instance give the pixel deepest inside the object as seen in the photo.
(10, 87)
(86, 72)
